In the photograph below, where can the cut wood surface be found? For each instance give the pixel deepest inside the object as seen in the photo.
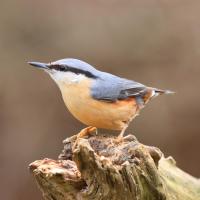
(102, 168)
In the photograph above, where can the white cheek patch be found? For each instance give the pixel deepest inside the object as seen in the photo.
(78, 78)
(66, 77)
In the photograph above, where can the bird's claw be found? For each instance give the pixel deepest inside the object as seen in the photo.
(86, 131)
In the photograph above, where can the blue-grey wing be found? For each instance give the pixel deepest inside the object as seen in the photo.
(111, 88)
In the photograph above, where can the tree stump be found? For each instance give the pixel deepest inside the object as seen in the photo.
(100, 168)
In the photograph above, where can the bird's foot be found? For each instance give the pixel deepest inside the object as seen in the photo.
(119, 139)
(128, 138)
(86, 131)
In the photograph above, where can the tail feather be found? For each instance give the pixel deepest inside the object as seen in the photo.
(151, 93)
(159, 91)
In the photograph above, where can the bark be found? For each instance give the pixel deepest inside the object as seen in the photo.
(103, 168)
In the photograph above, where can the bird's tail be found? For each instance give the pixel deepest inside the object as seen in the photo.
(159, 91)
(154, 92)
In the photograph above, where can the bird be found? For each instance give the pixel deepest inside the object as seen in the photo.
(98, 99)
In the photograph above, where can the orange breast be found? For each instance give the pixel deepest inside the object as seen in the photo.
(97, 113)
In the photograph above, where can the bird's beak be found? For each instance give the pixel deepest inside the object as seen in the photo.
(39, 65)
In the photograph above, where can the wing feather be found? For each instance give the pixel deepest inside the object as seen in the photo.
(111, 88)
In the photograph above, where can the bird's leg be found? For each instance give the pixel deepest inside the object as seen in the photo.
(96, 131)
(120, 137)
(86, 131)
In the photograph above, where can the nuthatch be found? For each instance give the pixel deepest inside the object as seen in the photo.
(97, 98)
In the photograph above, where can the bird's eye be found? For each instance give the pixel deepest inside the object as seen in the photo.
(58, 67)
(62, 68)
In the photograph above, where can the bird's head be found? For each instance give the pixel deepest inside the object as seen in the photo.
(68, 70)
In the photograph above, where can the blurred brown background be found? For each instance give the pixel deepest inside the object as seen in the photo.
(156, 42)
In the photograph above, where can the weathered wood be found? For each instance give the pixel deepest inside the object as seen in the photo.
(103, 168)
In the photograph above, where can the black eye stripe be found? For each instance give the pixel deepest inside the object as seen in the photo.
(58, 67)
(66, 68)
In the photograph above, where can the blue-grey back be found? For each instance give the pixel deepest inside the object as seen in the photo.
(109, 87)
